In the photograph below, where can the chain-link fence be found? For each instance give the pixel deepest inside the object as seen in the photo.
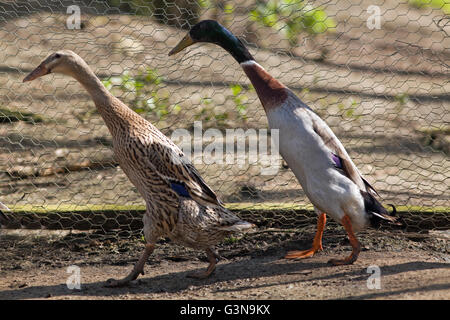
(375, 71)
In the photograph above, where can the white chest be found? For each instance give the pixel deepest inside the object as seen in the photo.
(298, 144)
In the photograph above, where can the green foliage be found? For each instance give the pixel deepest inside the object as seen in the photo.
(228, 8)
(8, 116)
(349, 112)
(204, 3)
(180, 13)
(231, 240)
(207, 113)
(402, 98)
(145, 91)
(145, 94)
(239, 99)
(292, 17)
(444, 5)
(228, 11)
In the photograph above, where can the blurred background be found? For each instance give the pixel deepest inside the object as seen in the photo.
(376, 71)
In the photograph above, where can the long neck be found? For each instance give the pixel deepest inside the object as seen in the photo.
(100, 95)
(115, 113)
(234, 46)
(271, 92)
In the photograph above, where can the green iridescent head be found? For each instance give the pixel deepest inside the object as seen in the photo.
(213, 32)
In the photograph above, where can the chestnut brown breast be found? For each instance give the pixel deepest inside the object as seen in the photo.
(271, 92)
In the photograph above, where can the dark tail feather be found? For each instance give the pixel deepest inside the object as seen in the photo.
(3, 218)
(377, 213)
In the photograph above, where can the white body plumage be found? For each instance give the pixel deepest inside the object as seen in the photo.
(307, 144)
(310, 160)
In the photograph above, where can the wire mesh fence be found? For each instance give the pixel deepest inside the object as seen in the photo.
(375, 71)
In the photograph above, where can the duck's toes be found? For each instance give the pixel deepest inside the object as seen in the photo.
(113, 283)
(349, 260)
(204, 274)
(213, 258)
(300, 254)
(200, 275)
(340, 262)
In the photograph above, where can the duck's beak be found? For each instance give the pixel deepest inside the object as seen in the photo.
(184, 43)
(40, 71)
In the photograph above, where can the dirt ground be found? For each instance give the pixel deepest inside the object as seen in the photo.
(412, 266)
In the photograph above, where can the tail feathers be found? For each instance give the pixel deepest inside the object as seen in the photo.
(377, 212)
(385, 217)
(3, 207)
(3, 217)
(238, 226)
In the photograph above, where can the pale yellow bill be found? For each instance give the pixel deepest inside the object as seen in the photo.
(184, 43)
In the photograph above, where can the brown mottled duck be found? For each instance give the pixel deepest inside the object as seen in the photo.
(179, 203)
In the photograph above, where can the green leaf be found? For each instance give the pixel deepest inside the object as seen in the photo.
(229, 8)
(204, 3)
(236, 89)
(292, 17)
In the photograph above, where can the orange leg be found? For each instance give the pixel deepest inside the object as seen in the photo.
(317, 243)
(353, 241)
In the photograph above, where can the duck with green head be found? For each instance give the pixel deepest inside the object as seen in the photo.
(318, 159)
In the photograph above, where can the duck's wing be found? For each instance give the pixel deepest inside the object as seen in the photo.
(345, 165)
(338, 154)
(183, 178)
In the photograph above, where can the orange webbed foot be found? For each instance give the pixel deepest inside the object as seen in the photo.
(317, 243)
(302, 254)
(354, 243)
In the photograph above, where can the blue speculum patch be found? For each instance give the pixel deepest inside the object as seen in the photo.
(180, 189)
